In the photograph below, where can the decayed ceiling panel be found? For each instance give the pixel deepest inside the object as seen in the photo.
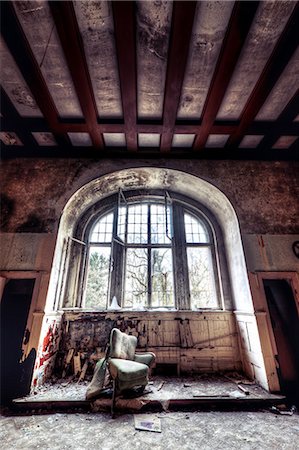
(37, 23)
(192, 79)
(15, 86)
(271, 18)
(210, 24)
(96, 26)
(152, 36)
(282, 92)
(250, 141)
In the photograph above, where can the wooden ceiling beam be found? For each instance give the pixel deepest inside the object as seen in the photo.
(68, 30)
(239, 25)
(281, 55)
(180, 35)
(19, 47)
(290, 154)
(125, 39)
(31, 124)
(293, 149)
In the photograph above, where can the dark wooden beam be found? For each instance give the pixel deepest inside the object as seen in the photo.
(68, 30)
(31, 124)
(239, 25)
(270, 127)
(125, 39)
(287, 116)
(19, 47)
(290, 154)
(294, 148)
(283, 51)
(181, 32)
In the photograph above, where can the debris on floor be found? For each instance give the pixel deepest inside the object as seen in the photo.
(163, 393)
(147, 422)
(283, 410)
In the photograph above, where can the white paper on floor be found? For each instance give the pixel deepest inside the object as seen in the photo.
(147, 422)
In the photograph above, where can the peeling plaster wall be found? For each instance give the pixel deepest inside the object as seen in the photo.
(23, 254)
(47, 348)
(264, 196)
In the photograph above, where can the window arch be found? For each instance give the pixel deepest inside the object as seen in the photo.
(151, 251)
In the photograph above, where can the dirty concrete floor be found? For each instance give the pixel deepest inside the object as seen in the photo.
(180, 430)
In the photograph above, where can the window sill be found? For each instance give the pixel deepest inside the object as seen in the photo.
(144, 310)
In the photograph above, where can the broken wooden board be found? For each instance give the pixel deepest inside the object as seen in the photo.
(160, 385)
(185, 334)
(77, 364)
(83, 371)
(68, 360)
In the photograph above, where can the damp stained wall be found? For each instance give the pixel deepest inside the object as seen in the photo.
(34, 193)
(263, 194)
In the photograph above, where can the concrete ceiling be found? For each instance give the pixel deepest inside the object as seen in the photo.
(206, 79)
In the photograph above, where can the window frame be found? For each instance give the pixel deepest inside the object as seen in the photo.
(179, 249)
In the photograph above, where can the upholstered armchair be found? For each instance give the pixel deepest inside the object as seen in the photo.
(126, 368)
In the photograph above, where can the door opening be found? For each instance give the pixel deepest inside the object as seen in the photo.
(285, 324)
(15, 304)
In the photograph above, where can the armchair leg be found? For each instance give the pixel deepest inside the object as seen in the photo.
(113, 398)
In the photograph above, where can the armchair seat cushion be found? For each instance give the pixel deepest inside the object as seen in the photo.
(128, 373)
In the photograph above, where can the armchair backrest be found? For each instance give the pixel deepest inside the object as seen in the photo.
(122, 345)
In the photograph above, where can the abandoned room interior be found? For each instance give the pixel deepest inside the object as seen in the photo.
(149, 183)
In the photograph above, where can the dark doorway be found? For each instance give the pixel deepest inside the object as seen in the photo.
(15, 304)
(285, 324)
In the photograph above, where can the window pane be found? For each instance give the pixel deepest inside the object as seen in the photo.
(162, 278)
(136, 282)
(98, 276)
(137, 224)
(102, 231)
(195, 230)
(201, 278)
(158, 225)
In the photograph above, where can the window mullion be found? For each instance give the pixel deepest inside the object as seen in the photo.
(149, 259)
(180, 259)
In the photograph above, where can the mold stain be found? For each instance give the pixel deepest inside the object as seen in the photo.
(7, 210)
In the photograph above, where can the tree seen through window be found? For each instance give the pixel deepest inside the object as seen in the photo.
(132, 256)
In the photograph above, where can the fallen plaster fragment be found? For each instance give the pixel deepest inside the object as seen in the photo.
(283, 411)
(146, 422)
(245, 391)
(236, 394)
(165, 404)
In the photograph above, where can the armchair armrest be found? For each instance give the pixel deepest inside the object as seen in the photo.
(145, 358)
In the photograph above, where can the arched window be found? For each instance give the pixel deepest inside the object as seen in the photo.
(152, 252)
